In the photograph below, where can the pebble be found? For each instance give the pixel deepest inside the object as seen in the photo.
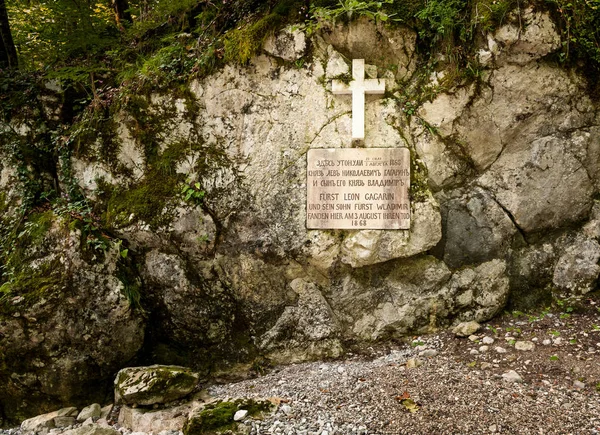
(413, 362)
(579, 385)
(499, 349)
(240, 415)
(546, 342)
(465, 329)
(524, 346)
(488, 340)
(512, 376)
(483, 349)
(428, 353)
(474, 352)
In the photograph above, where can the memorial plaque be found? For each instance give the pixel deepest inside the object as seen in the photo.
(358, 188)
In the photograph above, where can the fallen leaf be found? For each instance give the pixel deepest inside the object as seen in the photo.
(403, 396)
(410, 405)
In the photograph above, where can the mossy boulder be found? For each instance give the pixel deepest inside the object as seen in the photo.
(218, 418)
(154, 384)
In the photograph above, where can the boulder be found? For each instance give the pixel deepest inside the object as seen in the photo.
(577, 269)
(45, 422)
(155, 421)
(479, 293)
(93, 411)
(154, 384)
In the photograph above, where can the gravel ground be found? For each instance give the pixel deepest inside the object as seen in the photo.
(519, 374)
(457, 386)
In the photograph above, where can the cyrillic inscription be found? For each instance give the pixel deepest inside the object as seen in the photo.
(358, 188)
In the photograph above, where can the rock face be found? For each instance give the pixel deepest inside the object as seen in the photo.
(68, 326)
(504, 173)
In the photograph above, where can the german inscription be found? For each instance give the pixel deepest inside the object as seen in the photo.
(358, 188)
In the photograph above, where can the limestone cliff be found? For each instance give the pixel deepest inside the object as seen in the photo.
(505, 172)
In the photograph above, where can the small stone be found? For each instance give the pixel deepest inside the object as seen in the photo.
(546, 342)
(465, 329)
(488, 340)
(413, 362)
(499, 349)
(474, 352)
(524, 346)
(512, 376)
(578, 385)
(486, 365)
(340, 370)
(493, 428)
(240, 415)
(428, 353)
(473, 338)
(557, 341)
(286, 409)
(483, 349)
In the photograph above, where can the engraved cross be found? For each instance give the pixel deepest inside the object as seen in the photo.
(358, 87)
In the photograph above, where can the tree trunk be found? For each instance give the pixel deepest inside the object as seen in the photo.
(8, 52)
(122, 14)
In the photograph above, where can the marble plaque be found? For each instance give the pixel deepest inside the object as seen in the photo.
(358, 188)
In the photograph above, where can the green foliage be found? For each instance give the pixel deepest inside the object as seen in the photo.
(46, 32)
(192, 193)
(349, 9)
(579, 22)
(243, 43)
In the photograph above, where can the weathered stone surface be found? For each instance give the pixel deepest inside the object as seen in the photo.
(92, 429)
(531, 271)
(308, 329)
(154, 421)
(444, 167)
(68, 329)
(403, 296)
(386, 46)
(368, 247)
(288, 44)
(536, 37)
(480, 292)
(46, 421)
(577, 269)
(543, 186)
(153, 384)
(92, 411)
(475, 229)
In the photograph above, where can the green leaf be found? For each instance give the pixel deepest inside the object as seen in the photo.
(124, 253)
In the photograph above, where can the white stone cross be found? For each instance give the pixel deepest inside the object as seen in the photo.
(358, 87)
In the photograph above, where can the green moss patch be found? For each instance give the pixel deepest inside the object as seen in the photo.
(217, 418)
